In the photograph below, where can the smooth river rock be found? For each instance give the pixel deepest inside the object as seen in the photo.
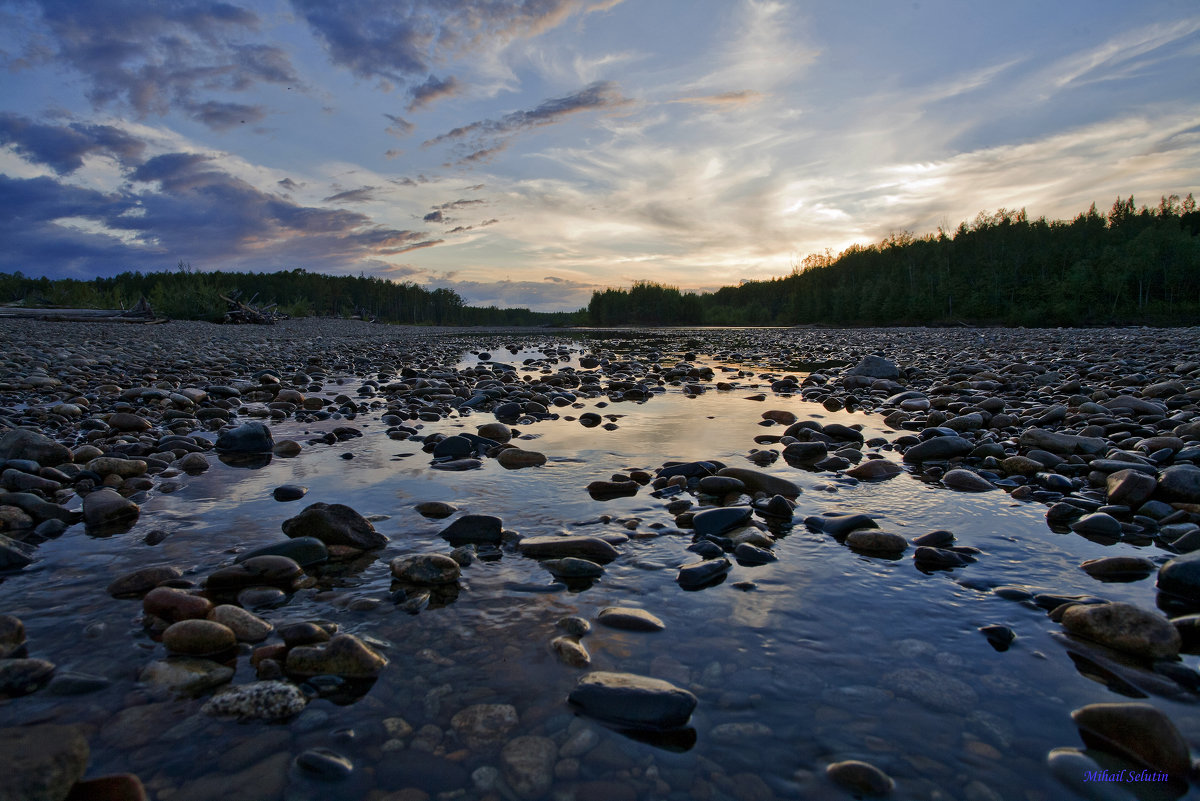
(335, 524)
(41, 762)
(593, 549)
(626, 699)
(1181, 576)
(1137, 731)
(1124, 627)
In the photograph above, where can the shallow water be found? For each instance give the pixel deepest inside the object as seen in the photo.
(814, 654)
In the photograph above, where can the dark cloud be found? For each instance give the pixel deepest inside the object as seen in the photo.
(396, 43)
(435, 217)
(458, 204)
(432, 90)
(156, 56)
(220, 116)
(480, 141)
(289, 184)
(62, 148)
(400, 127)
(392, 154)
(182, 206)
(366, 193)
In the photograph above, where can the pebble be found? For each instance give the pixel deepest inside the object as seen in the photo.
(473, 529)
(698, 575)
(186, 675)
(527, 763)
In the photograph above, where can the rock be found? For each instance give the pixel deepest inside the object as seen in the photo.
(639, 702)
(172, 604)
(701, 574)
(629, 619)
(1124, 627)
(246, 626)
(607, 490)
(571, 567)
(876, 541)
(938, 449)
(593, 549)
(1119, 568)
(1097, 524)
(753, 555)
(967, 481)
(929, 558)
(286, 448)
(860, 777)
(875, 470)
(23, 676)
(193, 463)
(435, 509)
(324, 764)
(41, 762)
(113, 466)
(344, 655)
(720, 520)
(39, 508)
(198, 638)
(270, 570)
(935, 690)
(875, 367)
(1135, 405)
(528, 765)
(839, 525)
(12, 635)
(117, 787)
(805, 453)
(186, 675)
(758, 481)
(1181, 576)
(484, 725)
(1064, 444)
(1179, 482)
(304, 551)
(125, 421)
(259, 700)
(473, 530)
(21, 443)
(140, 582)
(289, 492)
(571, 652)
(252, 437)
(426, 569)
(14, 554)
(516, 458)
(1136, 731)
(335, 524)
(720, 485)
(1130, 487)
(106, 508)
(495, 431)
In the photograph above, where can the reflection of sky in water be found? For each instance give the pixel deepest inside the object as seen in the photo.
(820, 620)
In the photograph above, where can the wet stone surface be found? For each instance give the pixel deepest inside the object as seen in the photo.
(947, 563)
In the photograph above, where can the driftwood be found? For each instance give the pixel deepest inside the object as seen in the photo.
(247, 313)
(139, 313)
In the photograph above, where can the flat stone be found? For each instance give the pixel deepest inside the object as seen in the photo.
(106, 508)
(700, 574)
(876, 541)
(304, 551)
(629, 619)
(483, 725)
(967, 481)
(259, 700)
(1137, 731)
(528, 765)
(758, 481)
(246, 626)
(607, 490)
(516, 458)
(198, 638)
(875, 470)
(140, 582)
(720, 520)
(634, 701)
(1119, 568)
(436, 509)
(1124, 627)
(173, 604)
(1063, 444)
(271, 570)
(1098, 524)
(938, 691)
(21, 443)
(938, 448)
(594, 549)
(572, 567)
(41, 762)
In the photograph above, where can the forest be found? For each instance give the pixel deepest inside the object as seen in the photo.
(1133, 266)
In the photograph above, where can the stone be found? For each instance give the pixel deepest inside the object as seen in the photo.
(873, 366)
(117, 787)
(186, 675)
(966, 481)
(435, 509)
(700, 574)
(939, 691)
(720, 520)
(270, 570)
(304, 551)
(528, 765)
(1181, 576)
(12, 635)
(805, 453)
(633, 701)
(21, 443)
(1124, 627)
(125, 421)
(259, 700)
(173, 604)
(14, 554)
(473, 530)
(720, 485)
(41, 762)
(426, 569)
(324, 764)
(874, 540)
(495, 431)
(1059, 443)
(571, 652)
(289, 492)
(594, 549)
(875, 470)
(484, 725)
(516, 458)
(572, 567)
(251, 437)
(607, 490)
(344, 655)
(140, 582)
(24, 676)
(198, 638)
(758, 481)
(1130, 487)
(106, 508)
(335, 524)
(938, 449)
(1098, 524)
(753, 555)
(629, 619)
(860, 777)
(114, 466)
(1136, 731)
(1119, 568)
(1179, 482)
(246, 626)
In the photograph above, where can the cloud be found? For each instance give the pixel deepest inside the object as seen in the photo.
(1116, 57)
(363, 195)
(432, 90)
(158, 56)
(724, 100)
(221, 116)
(481, 140)
(400, 127)
(459, 204)
(536, 295)
(63, 148)
(435, 216)
(289, 184)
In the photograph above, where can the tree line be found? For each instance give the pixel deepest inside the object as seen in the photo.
(190, 294)
(1131, 266)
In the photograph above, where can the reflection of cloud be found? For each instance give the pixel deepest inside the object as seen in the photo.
(535, 295)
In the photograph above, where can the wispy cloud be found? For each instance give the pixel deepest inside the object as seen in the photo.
(362, 195)
(432, 90)
(1113, 58)
(724, 100)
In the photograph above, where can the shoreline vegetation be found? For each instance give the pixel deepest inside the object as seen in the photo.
(1132, 266)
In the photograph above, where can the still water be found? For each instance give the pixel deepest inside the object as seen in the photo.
(821, 656)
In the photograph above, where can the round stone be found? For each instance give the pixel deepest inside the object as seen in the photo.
(198, 638)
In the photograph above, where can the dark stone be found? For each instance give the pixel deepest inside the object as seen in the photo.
(41, 762)
(289, 492)
(593, 549)
(335, 524)
(252, 437)
(473, 529)
(720, 520)
(701, 574)
(1181, 576)
(937, 449)
(304, 551)
(633, 701)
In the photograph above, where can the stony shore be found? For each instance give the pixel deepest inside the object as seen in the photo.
(1102, 427)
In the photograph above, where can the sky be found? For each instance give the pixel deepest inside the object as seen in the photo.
(528, 152)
